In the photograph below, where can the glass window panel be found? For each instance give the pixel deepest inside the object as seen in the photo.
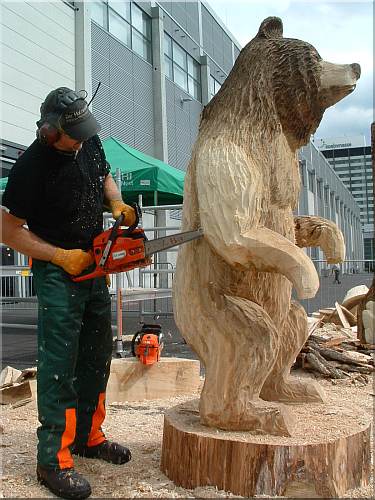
(217, 86)
(119, 28)
(98, 13)
(168, 67)
(140, 45)
(179, 56)
(194, 68)
(194, 88)
(180, 77)
(123, 8)
(168, 45)
(141, 21)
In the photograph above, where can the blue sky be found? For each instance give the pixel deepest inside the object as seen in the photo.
(341, 31)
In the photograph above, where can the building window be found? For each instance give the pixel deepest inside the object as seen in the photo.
(127, 22)
(311, 181)
(141, 32)
(99, 14)
(119, 28)
(182, 68)
(319, 189)
(122, 8)
(214, 86)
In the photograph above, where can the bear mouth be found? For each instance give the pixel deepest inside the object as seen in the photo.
(334, 94)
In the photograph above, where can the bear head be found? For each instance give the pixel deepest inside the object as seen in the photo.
(281, 82)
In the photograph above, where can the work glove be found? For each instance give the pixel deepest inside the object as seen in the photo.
(72, 261)
(118, 207)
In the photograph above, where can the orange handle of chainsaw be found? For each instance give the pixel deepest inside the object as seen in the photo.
(98, 272)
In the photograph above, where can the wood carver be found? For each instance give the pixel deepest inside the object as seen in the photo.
(232, 289)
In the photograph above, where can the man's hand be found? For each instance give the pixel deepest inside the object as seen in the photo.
(118, 207)
(72, 261)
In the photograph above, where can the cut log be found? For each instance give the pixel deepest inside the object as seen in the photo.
(340, 312)
(334, 342)
(324, 463)
(344, 357)
(317, 365)
(130, 380)
(322, 365)
(367, 369)
(15, 392)
(352, 302)
(8, 376)
(349, 316)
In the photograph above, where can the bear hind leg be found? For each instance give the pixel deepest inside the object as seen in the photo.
(280, 385)
(239, 358)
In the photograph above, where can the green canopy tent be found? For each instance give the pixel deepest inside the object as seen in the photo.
(3, 183)
(159, 183)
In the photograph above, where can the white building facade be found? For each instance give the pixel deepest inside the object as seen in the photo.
(158, 64)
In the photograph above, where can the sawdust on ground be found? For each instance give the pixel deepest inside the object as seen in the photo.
(140, 426)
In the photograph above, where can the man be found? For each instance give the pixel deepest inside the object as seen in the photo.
(336, 272)
(58, 187)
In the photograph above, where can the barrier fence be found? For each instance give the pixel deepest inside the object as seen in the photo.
(147, 292)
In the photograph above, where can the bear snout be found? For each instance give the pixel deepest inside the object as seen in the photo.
(356, 68)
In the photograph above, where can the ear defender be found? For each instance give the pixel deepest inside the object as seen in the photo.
(51, 110)
(48, 134)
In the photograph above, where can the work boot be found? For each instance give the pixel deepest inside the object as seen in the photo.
(107, 450)
(65, 483)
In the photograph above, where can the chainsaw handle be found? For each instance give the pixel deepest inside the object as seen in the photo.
(138, 215)
(120, 220)
(115, 227)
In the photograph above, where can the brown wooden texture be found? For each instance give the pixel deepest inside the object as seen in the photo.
(130, 380)
(193, 456)
(232, 288)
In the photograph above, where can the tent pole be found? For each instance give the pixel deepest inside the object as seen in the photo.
(140, 276)
(155, 236)
(119, 345)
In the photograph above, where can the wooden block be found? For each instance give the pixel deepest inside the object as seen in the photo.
(340, 312)
(325, 459)
(130, 380)
(15, 392)
(9, 375)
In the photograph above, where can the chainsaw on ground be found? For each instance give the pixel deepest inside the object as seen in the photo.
(119, 250)
(147, 344)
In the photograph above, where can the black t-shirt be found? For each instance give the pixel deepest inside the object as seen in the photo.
(60, 196)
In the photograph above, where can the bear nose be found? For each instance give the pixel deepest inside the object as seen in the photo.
(356, 69)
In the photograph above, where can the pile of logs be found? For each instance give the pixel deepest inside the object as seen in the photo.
(334, 351)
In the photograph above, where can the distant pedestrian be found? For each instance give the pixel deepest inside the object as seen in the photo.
(336, 272)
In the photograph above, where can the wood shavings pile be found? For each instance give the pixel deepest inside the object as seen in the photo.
(140, 426)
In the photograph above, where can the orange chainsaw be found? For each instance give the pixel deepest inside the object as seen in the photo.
(147, 344)
(118, 250)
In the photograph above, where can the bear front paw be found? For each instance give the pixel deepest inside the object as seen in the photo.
(294, 391)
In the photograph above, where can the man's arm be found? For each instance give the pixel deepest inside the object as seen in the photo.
(111, 191)
(24, 241)
(114, 199)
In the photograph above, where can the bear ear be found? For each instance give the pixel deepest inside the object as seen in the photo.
(272, 27)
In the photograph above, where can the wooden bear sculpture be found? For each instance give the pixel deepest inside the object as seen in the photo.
(232, 289)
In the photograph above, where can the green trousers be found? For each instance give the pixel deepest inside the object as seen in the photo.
(74, 357)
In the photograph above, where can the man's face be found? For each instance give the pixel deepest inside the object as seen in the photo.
(67, 143)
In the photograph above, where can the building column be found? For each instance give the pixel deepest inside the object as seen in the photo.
(158, 82)
(83, 75)
(205, 80)
(160, 123)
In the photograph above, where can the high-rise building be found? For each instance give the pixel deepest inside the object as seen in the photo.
(351, 160)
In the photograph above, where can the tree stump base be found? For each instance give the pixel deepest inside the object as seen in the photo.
(328, 454)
